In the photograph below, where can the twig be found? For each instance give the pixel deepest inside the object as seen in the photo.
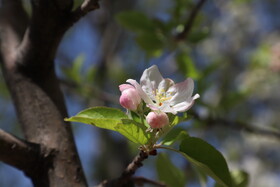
(126, 176)
(187, 28)
(83, 9)
(238, 125)
(132, 167)
(18, 153)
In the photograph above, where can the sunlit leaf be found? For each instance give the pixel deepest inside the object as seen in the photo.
(134, 131)
(102, 117)
(240, 178)
(207, 158)
(169, 173)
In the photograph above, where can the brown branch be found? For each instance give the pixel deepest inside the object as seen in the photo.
(189, 24)
(82, 10)
(13, 22)
(27, 58)
(237, 125)
(18, 153)
(126, 177)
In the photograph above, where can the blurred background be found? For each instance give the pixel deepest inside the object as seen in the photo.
(232, 53)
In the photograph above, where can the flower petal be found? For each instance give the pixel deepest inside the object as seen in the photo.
(140, 91)
(150, 80)
(167, 109)
(165, 84)
(186, 105)
(183, 91)
(123, 87)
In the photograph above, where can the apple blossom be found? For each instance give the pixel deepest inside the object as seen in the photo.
(129, 98)
(157, 119)
(163, 94)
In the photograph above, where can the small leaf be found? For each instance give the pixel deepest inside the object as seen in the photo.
(187, 66)
(207, 158)
(74, 73)
(198, 35)
(133, 131)
(102, 117)
(150, 42)
(135, 21)
(174, 135)
(168, 173)
(240, 178)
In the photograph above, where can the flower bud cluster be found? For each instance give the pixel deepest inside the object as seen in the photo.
(130, 99)
(160, 95)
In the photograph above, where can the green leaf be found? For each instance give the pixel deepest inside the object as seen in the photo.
(168, 173)
(102, 117)
(150, 42)
(113, 119)
(133, 131)
(198, 35)
(201, 176)
(135, 21)
(174, 135)
(187, 66)
(74, 72)
(175, 120)
(207, 158)
(240, 178)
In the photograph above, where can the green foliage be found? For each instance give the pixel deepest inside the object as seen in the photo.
(207, 158)
(201, 176)
(148, 36)
(76, 4)
(135, 21)
(240, 178)
(198, 35)
(113, 119)
(187, 66)
(150, 42)
(174, 135)
(102, 117)
(134, 131)
(74, 73)
(169, 173)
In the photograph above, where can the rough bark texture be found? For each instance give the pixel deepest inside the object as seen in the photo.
(27, 51)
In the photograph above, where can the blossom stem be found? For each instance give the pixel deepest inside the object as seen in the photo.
(167, 148)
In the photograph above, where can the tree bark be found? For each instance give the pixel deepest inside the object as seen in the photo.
(27, 52)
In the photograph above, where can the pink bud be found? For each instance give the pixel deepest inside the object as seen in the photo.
(157, 119)
(130, 99)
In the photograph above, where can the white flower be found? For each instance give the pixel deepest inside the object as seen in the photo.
(163, 94)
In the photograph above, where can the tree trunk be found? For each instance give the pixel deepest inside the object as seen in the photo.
(27, 54)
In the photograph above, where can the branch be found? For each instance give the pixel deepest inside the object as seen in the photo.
(82, 10)
(13, 22)
(188, 26)
(126, 176)
(238, 125)
(15, 152)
